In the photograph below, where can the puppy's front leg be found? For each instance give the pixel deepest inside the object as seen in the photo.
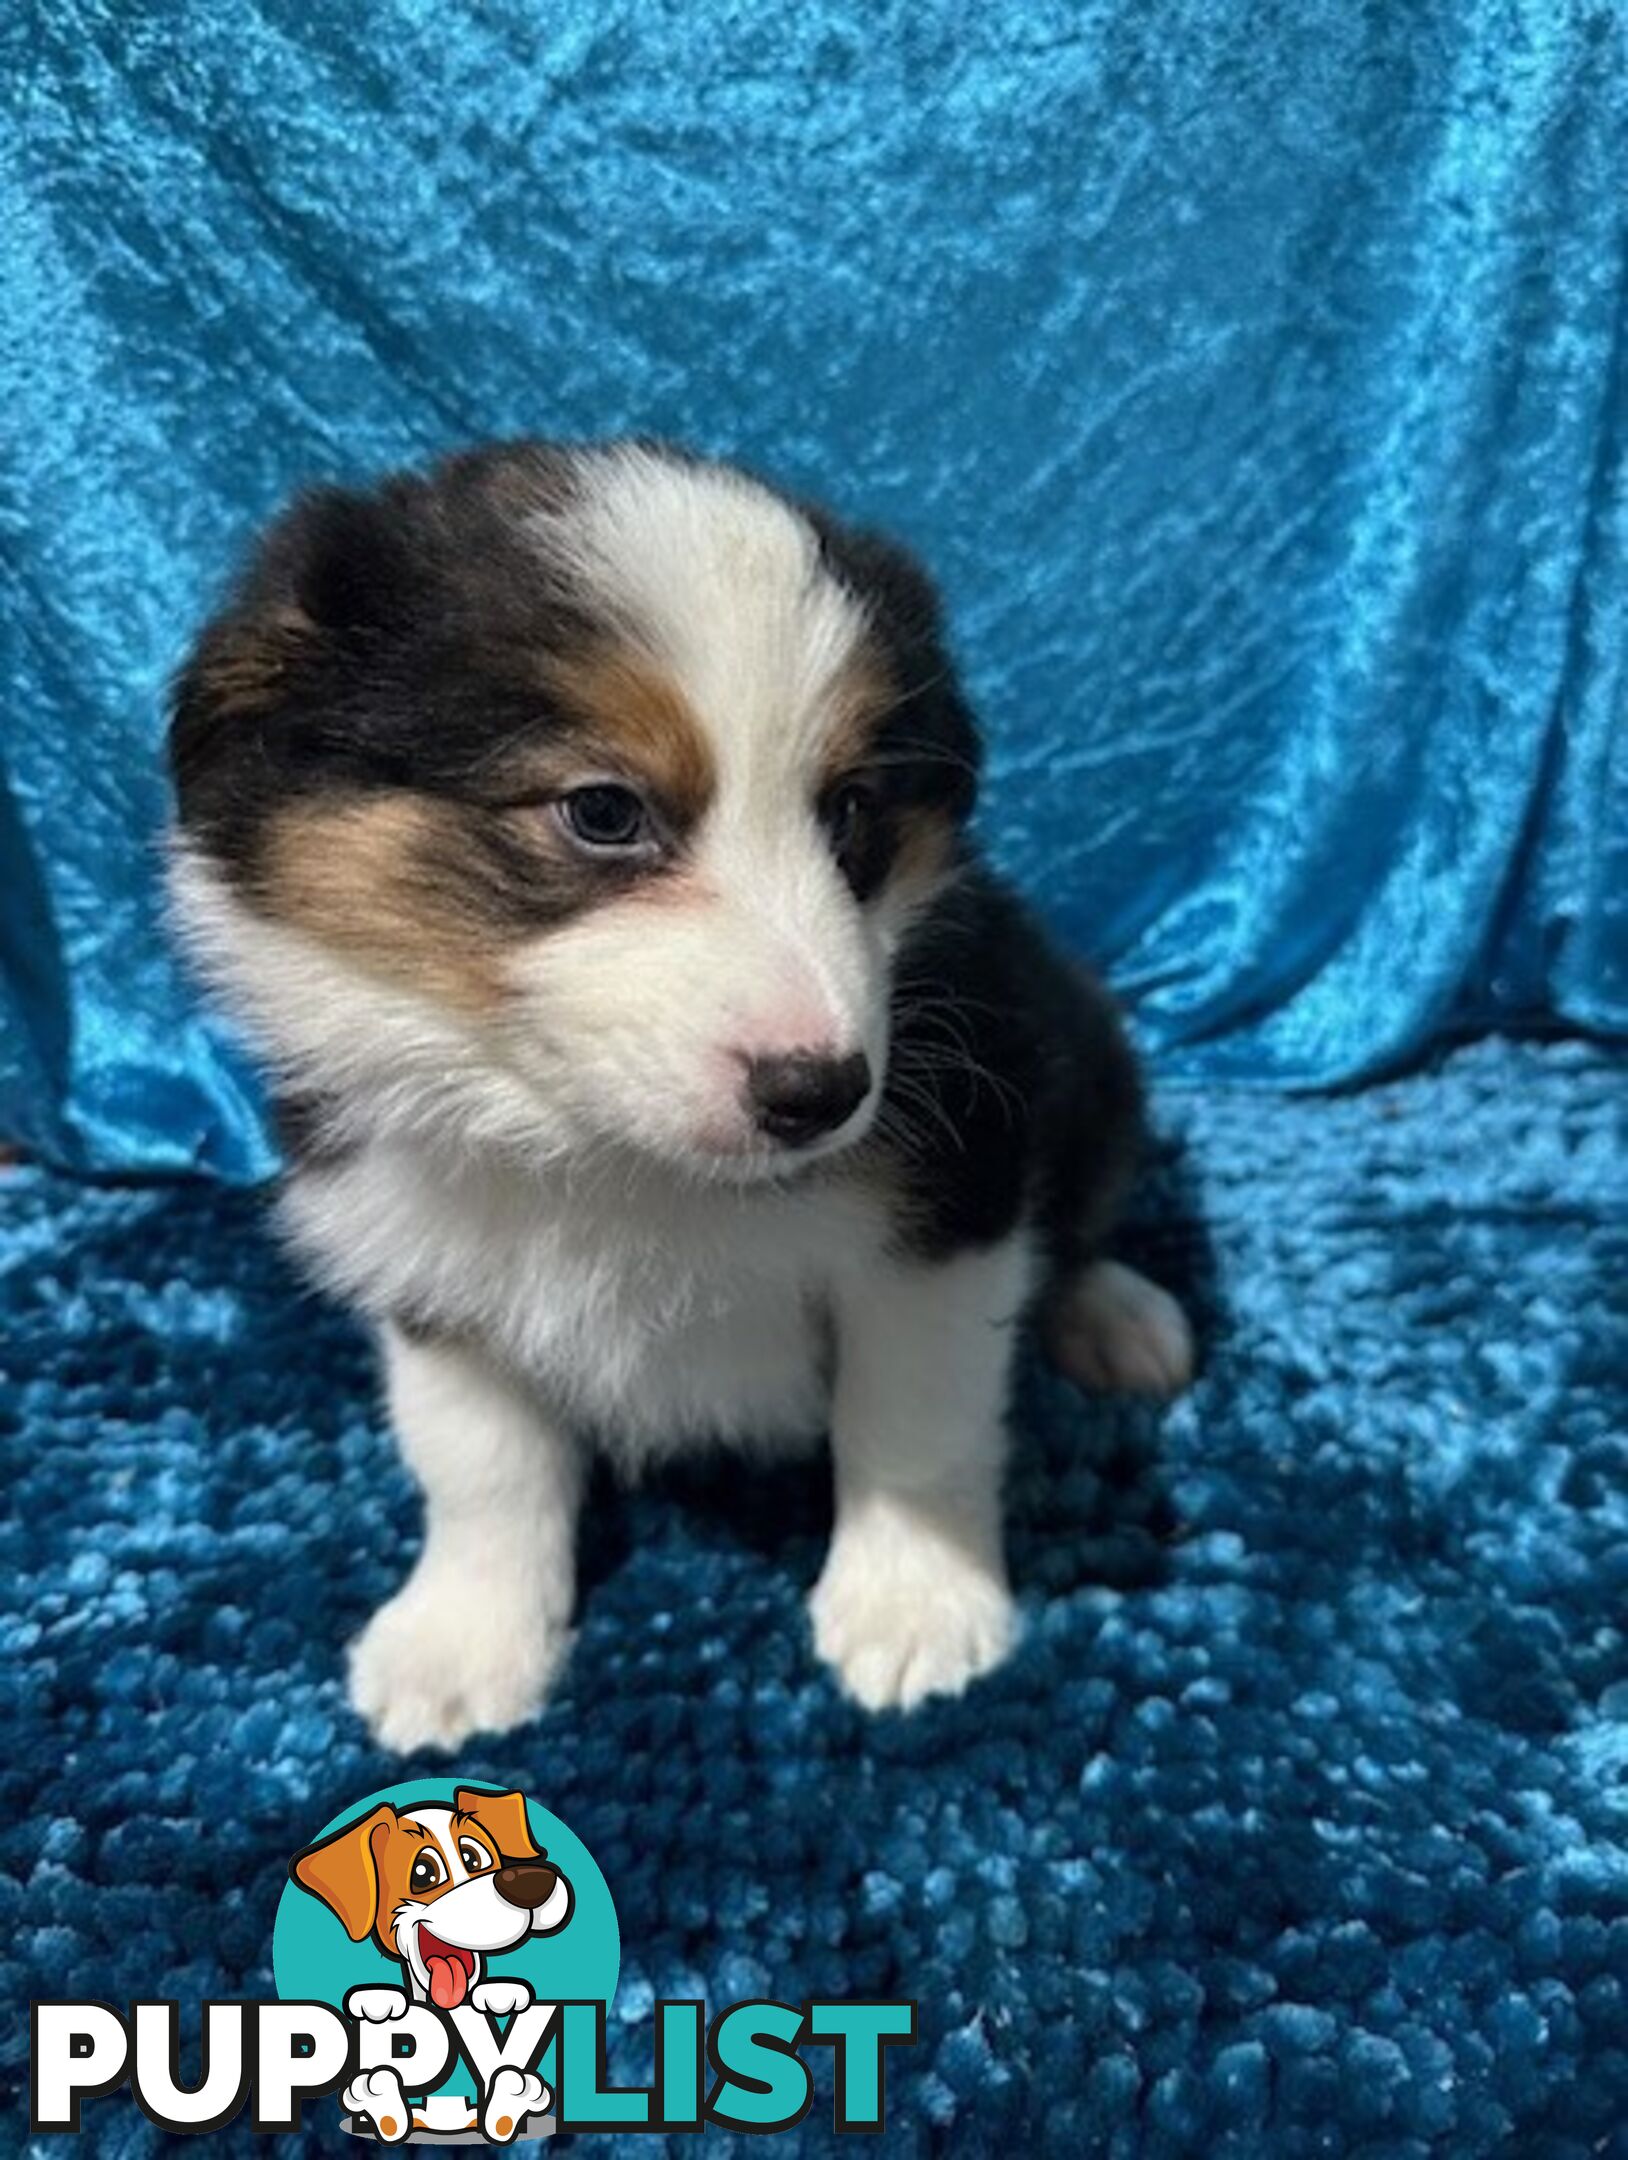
(471, 1641)
(912, 1600)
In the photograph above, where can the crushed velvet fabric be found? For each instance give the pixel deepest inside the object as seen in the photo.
(1253, 379)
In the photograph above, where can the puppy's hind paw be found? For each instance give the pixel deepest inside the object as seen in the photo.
(377, 2094)
(511, 2097)
(1111, 1329)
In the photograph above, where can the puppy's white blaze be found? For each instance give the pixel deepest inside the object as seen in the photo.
(721, 582)
(438, 1822)
(816, 972)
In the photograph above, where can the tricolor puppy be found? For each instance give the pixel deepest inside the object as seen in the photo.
(582, 833)
(443, 1889)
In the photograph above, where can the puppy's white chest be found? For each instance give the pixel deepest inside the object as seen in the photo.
(653, 1348)
(650, 1320)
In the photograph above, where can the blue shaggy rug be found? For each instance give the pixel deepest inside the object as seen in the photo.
(1298, 1825)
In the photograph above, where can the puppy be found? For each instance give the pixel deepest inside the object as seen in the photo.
(582, 835)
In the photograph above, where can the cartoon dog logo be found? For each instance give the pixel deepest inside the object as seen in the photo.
(442, 1890)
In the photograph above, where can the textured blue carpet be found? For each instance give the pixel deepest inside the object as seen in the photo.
(1298, 1825)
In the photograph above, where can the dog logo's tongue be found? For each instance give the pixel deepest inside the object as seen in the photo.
(448, 1967)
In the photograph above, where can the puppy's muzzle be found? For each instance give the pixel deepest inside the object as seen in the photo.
(524, 1883)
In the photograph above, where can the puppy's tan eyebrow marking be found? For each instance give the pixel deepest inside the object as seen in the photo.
(862, 696)
(644, 722)
(415, 1829)
(386, 880)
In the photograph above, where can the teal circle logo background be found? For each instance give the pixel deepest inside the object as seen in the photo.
(314, 1960)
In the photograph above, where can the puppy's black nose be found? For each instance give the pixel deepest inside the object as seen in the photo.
(525, 1883)
(798, 1097)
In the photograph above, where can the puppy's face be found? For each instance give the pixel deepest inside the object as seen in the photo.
(441, 1888)
(580, 797)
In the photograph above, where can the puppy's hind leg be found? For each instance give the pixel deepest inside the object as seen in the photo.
(1107, 1327)
(471, 1641)
(1104, 1325)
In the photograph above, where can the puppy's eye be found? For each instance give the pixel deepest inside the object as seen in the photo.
(427, 1871)
(474, 1857)
(606, 817)
(849, 812)
(852, 816)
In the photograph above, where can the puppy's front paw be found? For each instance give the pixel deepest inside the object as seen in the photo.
(446, 1659)
(901, 1613)
(1110, 1328)
(501, 1998)
(377, 2094)
(379, 2005)
(512, 2096)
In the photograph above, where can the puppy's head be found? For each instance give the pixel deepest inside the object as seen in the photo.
(441, 1888)
(578, 797)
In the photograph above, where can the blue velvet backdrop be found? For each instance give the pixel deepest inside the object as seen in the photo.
(1253, 377)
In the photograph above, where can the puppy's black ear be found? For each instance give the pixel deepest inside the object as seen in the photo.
(346, 560)
(325, 590)
(258, 659)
